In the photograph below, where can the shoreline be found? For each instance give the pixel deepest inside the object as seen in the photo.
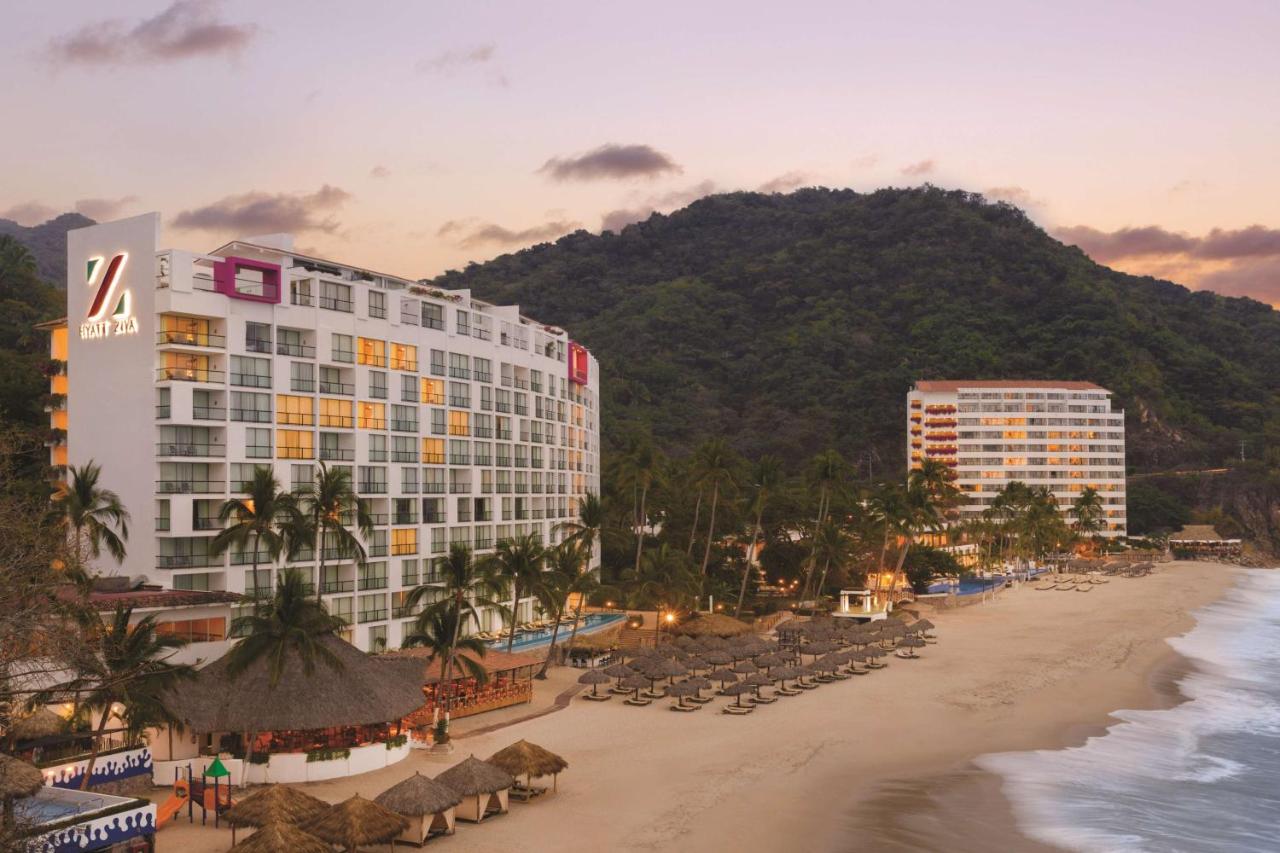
(890, 754)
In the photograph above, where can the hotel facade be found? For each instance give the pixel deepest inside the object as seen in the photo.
(1063, 436)
(459, 421)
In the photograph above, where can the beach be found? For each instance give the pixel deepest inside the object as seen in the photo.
(882, 762)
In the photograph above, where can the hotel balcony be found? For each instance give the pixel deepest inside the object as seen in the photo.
(190, 374)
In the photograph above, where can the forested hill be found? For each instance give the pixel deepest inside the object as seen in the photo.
(47, 243)
(790, 323)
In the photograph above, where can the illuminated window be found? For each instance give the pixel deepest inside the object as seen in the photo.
(296, 411)
(459, 423)
(404, 357)
(294, 444)
(187, 330)
(373, 415)
(195, 630)
(433, 451)
(371, 352)
(336, 413)
(433, 392)
(404, 540)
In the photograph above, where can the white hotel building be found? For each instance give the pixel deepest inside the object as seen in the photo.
(1064, 436)
(459, 421)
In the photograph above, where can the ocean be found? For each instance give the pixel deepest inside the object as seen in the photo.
(1201, 776)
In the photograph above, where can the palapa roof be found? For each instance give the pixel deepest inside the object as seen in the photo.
(712, 624)
(1196, 533)
(357, 821)
(473, 776)
(528, 759)
(363, 691)
(276, 804)
(417, 796)
(282, 838)
(430, 672)
(39, 723)
(18, 778)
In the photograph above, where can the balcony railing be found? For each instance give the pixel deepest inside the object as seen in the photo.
(367, 584)
(295, 350)
(337, 454)
(373, 423)
(334, 303)
(257, 345)
(339, 421)
(189, 374)
(330, 587)
(433, 488)
(256, 416)
(376, 550)
(303, 386)
(189, 487)
(404, 426)
(208, 413)
(250, 380)
(343, 388)
(168, 448)
(295, 453)
(186, 561)
(372, 487)
(404, 456)
(206, 523)
(372, 616)
(162, 412)
(193, 339)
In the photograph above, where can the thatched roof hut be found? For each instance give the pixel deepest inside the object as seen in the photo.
(18, 778)
(282, 838)
(39, 723)
(276, 804)
(361, 691)
(355, 822)
(483, 786)
(529, 760)
(712, 625)
(426, 803)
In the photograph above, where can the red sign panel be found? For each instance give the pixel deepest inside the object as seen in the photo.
(579, 363)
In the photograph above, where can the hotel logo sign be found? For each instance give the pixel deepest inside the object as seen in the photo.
(111, 310)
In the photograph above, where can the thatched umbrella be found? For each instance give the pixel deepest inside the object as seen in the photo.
(770, 660)
(635, 682)
(745, 667)
(680, 691)
(355, 822)
(694, 663)
(737, 690)
(911, 643)
(275, 804)
(594, 677)
(718, 657)
(39, 723)
(724, 676)
(18, 779)
(478, 782)
(619, 670)
(783, 673)
(530, 760)
(281, 838)
(423, 801)
(699, 684)
(671, 669)
(712, 625)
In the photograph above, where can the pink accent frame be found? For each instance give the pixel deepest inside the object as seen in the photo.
(224, 279)
(579, 370)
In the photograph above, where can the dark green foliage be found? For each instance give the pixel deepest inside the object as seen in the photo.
(47, 243)
(787, 323)
(924, 564)
(1154, 511)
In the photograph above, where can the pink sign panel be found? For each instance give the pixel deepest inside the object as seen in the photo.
(579, 363)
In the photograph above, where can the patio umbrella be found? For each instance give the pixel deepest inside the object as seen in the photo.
(769, 660)
(418, 796)
(737, 690)
(672, 668)
(757, 680)
(619, 670)
(635, 682)
(528, 759)
(724, 676)
(925, 625)
(699, 684)
(718, 657)
(783, 673)
(695, 663)
(594, 677)
(680, 691)
(911, 643)
(357, 822)
(275, 804)
(282, 838)
(745, 667)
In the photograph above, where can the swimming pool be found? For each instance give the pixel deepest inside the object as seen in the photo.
(973, 586)
(590, 623)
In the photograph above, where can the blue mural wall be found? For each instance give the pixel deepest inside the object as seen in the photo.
(111, 767)
(98, 833)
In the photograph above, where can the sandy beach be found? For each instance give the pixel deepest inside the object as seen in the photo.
(874, 763)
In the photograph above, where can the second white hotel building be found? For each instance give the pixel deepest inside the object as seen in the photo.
(459, 421)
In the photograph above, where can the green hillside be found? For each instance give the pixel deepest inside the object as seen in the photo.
(47, 243)
(790, 323)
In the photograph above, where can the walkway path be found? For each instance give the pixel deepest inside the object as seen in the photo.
(562, 700)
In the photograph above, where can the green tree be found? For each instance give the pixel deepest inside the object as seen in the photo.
(588, 527)
(1089, 511)
(640, 465)
(519, 563)
(714, 463)
(325, 508)
(437, 632)
(93, 516)
(263, 519)
(766, 478)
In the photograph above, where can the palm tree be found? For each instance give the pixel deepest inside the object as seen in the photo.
(93, 517)
(291, 623)
(263, 518)
(126, 666)
(565, 565)
(830, 547)
(826, 473)
(1089, 511)
(640, 465)
(324, 506)
(519, 562)
(766, 477)
(714, 464)
(467, 586)
(588, 528)
(15, 259)
(665, 579)
(436, 631)
(931, 494)
(889, 509)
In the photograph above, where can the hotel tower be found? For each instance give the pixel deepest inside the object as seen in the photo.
(1064, 436)
(459, 421)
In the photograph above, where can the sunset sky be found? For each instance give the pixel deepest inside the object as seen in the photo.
(415, 137)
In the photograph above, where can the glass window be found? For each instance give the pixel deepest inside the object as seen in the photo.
(336, 413)
(433, 391)
(250, 372)
(257, 337)
(371, 351)
(247, 406)
(295, 444)
(257, 443)
(335, 296)
(433, 451)
(408, 311)
(378, 384)
(464, 323)
(377, 304)
(408, 389)
(302, 376)
(343, 348)
(373, 415)
(437, 362)
(295, 411)
(459, 423)
(404, 357)
(432, 316)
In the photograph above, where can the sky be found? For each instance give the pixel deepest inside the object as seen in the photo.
(411, 138)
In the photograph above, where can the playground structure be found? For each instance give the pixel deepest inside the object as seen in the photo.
(212, 796)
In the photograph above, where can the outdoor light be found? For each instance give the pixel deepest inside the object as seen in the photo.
(670, 617)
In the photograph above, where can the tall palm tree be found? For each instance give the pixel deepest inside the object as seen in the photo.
(261, 519)
(124, 665)
(519, 562)
(766, 478)
(15, 259)
(565, 563)
(831, 547)
(714, 463)
(436, 631)
(93, 516)
(467, 586)
(640, 465)
(826, 474)
(931, 495)
(889, 508)
(666, 578)
(324, 507)
(1089, 511)
(588, 528)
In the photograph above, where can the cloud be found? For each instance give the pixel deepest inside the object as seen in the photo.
(616, 220)
(189, 29)
(452, 60)
(1125, 242)
(611, 161)
(1014, 195)
(866, 161)
(785, 182)
(470, 234)
(29, 213)
(379, 172)
(924, 167)
(259, 212)
(1254, 241)
(1255, 277)
(104, 209)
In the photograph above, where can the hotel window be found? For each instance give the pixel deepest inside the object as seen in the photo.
(409, 479)
(408, 311)
(295, 444)
(199, 581)
(459, 452)
(250, 372)
(331, 382)
(378, 384)
(295, 411)
(257, 443)
(162, 515)
(301, 476)
(188, 330)
(486, 397)
(373, 416)
(432, 316)
(372, 480)
(433, 451)
(343, 348)
(481, 369)
(433, 480)
(437, 422)
(373, 576)
(433, 511)
(486, 481)
(377, 304)
(459, 366)
(257, 337)
(463, 323)
(335, 297)
(483, 453)
(408, 574)
(250, 407)
(291, 342)
(408, 389)
(437, 540)
(432, 392)
(459, 423)
(404, 357)
(302, 377)
(371, 352)
(377, 448)
(336, 413)
(437, 362)
(404, 540)
(404, 448)
(300, 292)
(404, 418)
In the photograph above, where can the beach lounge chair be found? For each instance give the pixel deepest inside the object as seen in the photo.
(639, 702)
(676, 706)
(597, 697)
(737, 710)
(858, 669)
(788, 691)
(764, 700)
(907, 653)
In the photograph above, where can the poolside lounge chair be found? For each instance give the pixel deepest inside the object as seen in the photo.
(637, 701)
(599, 697)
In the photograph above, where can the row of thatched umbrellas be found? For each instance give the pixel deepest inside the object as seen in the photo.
(291, 821)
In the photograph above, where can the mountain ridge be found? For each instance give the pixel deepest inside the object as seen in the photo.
(47, 242)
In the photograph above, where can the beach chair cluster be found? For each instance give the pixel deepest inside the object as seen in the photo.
(1094, 574)
(751, 671)
(524, 629)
